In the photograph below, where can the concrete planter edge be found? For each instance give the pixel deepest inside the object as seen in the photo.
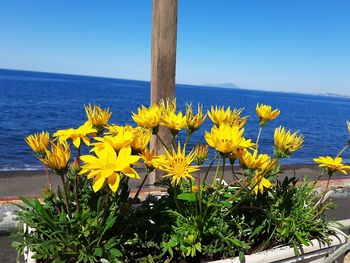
(317, 252)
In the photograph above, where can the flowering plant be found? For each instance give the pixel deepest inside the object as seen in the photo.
(203, 215)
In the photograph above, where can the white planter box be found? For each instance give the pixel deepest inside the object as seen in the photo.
(314, 253)
(311, 254)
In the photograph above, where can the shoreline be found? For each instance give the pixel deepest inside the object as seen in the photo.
(310, 170)
(31, 182)
(19, 172)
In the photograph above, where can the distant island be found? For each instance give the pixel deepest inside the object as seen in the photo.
(329, 94)
(223, 85)
(231, 85)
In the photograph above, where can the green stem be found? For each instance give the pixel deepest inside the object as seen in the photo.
(176, 202)
(213, 183)
(319, 177)
(223, 172)
(66, 195)
(258, 137)
(48, 176)
(187, 138)
(191, 185)
(77, 183)
(199, 193)
(342, 150)
(162, 142)
(209, 167)
(218, 186)
(216, 189)
(77, 190)
(233, 172)
(139, 190)
(238, 192)
(106, 205)
(325, 191)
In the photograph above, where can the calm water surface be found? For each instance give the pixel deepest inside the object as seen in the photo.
(32, 102)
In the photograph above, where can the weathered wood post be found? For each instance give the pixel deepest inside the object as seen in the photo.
(164, 34)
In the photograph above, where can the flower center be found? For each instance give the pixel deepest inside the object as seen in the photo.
(179, 168)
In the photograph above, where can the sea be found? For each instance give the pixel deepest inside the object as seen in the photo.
(31, 102)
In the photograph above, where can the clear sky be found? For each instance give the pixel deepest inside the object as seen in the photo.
(284, 45)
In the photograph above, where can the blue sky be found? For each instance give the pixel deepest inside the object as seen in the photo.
(289, 45)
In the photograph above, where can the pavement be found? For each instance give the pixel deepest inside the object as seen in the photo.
(30, 183)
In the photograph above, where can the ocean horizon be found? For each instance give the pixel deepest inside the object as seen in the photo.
(35, 101)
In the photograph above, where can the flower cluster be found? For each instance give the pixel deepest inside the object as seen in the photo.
(97, 195)
(116, 150)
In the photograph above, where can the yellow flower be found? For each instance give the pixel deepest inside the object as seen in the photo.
(194, 189)
(58, 157)
(235, 118)
(124, 136)
(236, 154)
(150, 159)
(332, 164)
(97, 116)
(194, 121)
(113, 129)
(141, 139)
(108, 165)
(201, 153)
(226, 139)
(219, 115)
(167, 105)
(178, 164)
(259, 182)
(175, 122)
(286, 142)
(266, 113)
(76, 135)
(38, 142)
(254, 161)
(148, 117)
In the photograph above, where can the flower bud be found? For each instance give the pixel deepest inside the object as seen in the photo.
(76, 166)
(48, 194)
(194, 189)
(201, 153)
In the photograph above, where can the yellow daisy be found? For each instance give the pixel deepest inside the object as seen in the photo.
(38, 142)
(77, 135)
(332, 164)
(286, 142)
(108, 165)
(177, 165)
(227, 139)
(266, 113)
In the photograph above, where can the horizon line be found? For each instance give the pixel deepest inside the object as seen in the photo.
(214, 85)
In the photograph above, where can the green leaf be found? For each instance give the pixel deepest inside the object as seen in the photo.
(86, 233)
(226, 203)
(257, 230)
(15, 244)
(115, 252)
(98, 252)
(190, 197)
(241, 257)
(301, 239)
(236, 242)
(150, 259)
(58, 260)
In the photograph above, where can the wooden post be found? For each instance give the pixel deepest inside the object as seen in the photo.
(164, 34)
